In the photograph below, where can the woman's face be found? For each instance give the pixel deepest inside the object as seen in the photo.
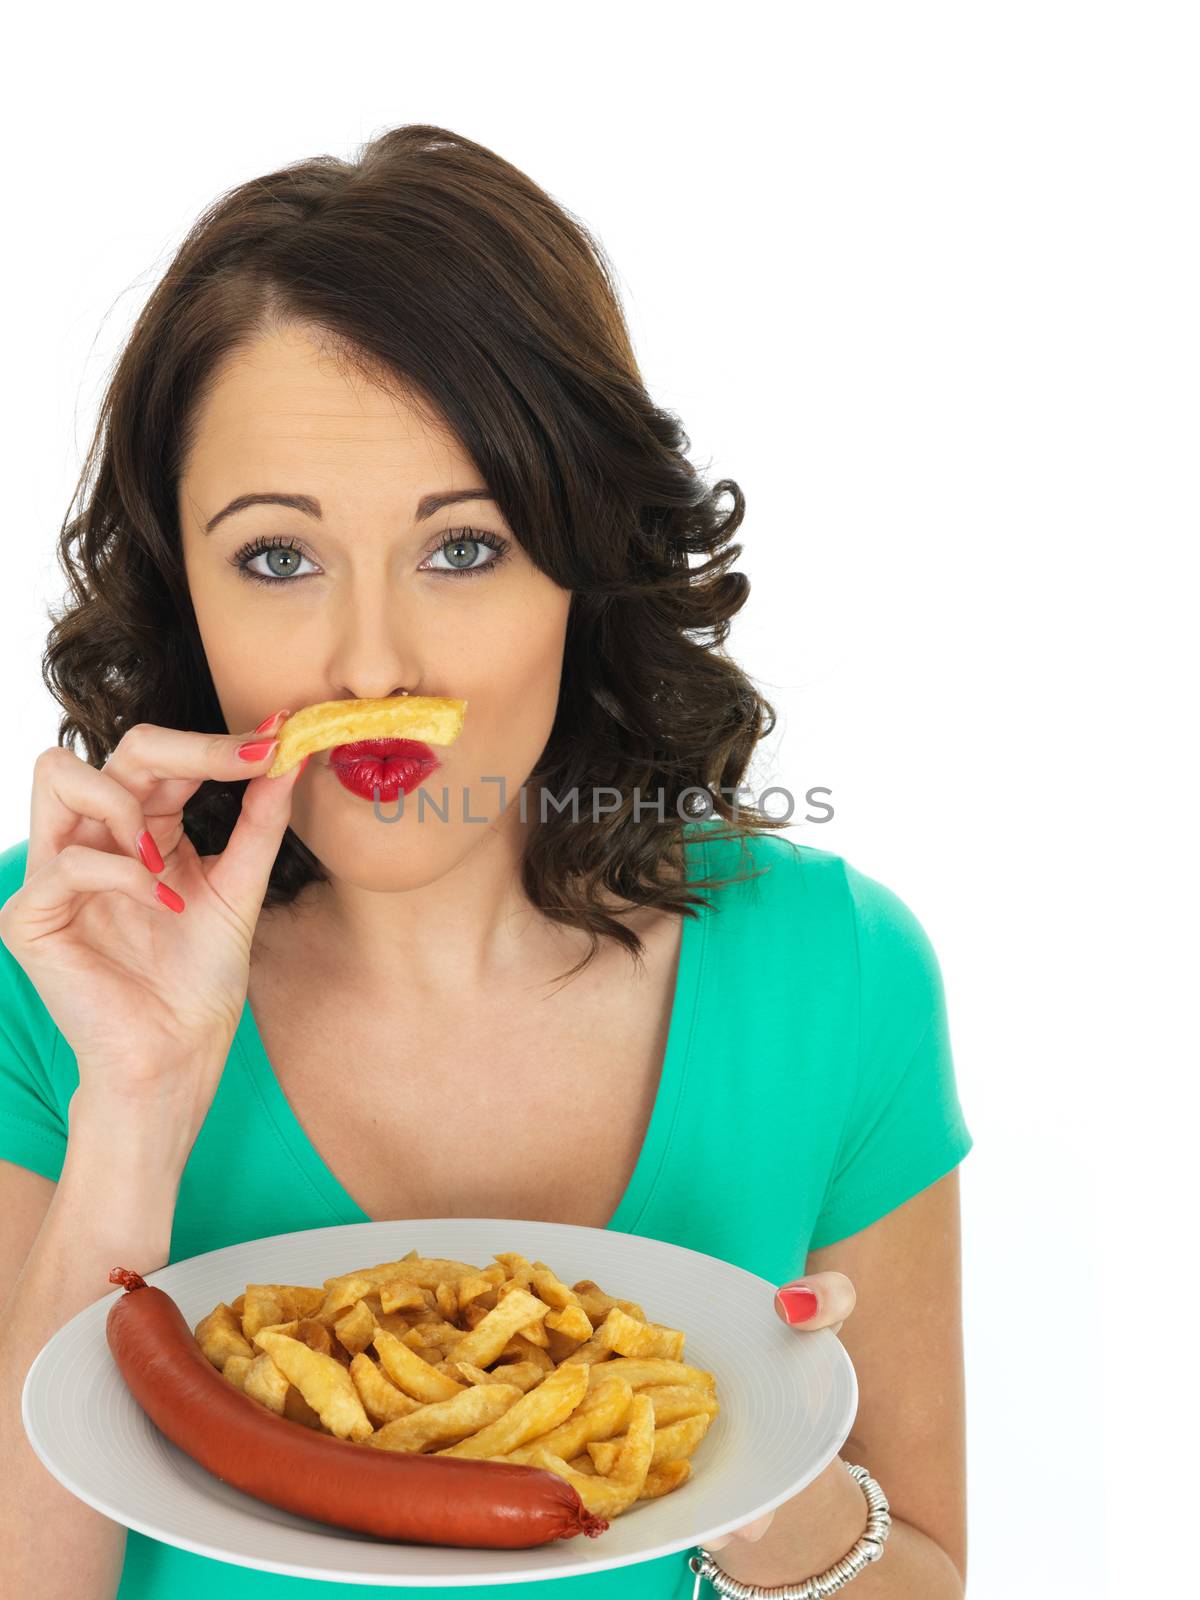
(366, 599)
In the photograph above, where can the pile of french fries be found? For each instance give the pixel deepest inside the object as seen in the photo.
(498, 1363)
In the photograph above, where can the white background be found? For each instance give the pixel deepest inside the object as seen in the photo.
(924, 280)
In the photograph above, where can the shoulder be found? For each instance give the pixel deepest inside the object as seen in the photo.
(790, 892)
(770, 877)
(771, 870)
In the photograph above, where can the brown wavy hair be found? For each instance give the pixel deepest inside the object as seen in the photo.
(435, 262)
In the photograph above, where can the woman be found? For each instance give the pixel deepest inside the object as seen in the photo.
(380, 431)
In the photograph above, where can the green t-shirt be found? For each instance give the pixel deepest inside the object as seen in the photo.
(807, 1089)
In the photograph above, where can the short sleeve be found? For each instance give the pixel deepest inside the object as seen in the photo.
(33, 1123)
(905, 1127)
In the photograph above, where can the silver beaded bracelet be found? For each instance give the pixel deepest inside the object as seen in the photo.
(869, 1548)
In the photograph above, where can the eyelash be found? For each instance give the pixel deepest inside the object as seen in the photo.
(242, 558)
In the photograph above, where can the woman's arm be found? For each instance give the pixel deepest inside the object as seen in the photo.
(904, 1337)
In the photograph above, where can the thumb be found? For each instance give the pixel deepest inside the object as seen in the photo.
(242, 871)
(820, 1300)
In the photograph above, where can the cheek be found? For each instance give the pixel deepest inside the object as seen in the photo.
(512, 682)
(519, 656)
(250, 681)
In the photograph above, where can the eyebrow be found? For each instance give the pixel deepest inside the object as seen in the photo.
(428, 506)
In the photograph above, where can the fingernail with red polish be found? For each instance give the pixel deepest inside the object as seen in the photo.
(257, 749)
(148, 851)
(274, 717)
(797, 1304)
(169, 898)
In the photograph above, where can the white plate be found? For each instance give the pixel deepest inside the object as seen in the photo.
(788, 1401)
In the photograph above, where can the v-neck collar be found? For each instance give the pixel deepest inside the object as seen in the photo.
(652, 1158)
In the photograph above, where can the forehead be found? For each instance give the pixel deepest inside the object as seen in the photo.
(287, 401)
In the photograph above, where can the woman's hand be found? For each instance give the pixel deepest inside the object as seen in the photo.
(146, 978)
(822, 1300)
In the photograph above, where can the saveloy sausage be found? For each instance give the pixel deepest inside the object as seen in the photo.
(448, 1500)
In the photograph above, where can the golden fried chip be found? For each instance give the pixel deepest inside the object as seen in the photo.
(235, 1370)
(640, 1371)
(590, 1352)
(519, 1349)
(603, 1412)
(445, 1421)
(485, 1282)
(535, 1413)
(597, 1304)
(609, 1495)
(523, 1373)
(516, 1312)
(398, 1294)
(568, 1315)
(265, 1304)
(629, 1337)
(410, 1372)
(670, 1443)
(297, 1408)
(288, 1328)
(263, 1309)
(356, 1328)
(220, 1335)
(265, 1383)
(340, 1296)
(661, 1480)
(324, 1383)
(434, 719)
(515, 1264)
(445, 1298)
(381, 1399)
(673, 1401)
(315, 1335)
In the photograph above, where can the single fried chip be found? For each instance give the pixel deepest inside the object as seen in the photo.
(410, 1372)
(355, 1328)
(433, 719)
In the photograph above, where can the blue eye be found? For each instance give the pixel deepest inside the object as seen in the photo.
(470, 540)
(461, 548)
(261, 546)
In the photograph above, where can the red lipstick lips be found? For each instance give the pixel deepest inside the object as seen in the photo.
(388, 765)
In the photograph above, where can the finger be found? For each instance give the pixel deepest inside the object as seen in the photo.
(149, 756)
(820, 1300)
(241, 873)
(47, 900)
(751, 1532)
(67, 789)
